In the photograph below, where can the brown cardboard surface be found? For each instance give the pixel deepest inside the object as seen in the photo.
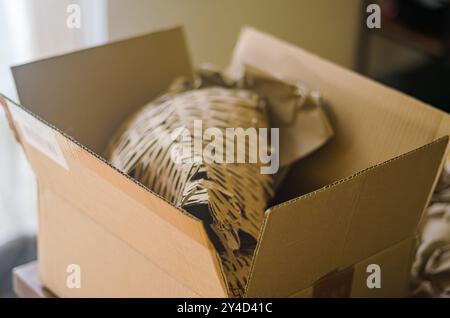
(109, 267)
(394, 265)
(90, 92)
(168, 237)
(110, 224)
(372, 123)
(335, 285)
(344, 223)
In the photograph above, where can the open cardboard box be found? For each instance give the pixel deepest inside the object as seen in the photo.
(357, 201)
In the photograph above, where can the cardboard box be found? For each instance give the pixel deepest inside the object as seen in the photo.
(357, 201)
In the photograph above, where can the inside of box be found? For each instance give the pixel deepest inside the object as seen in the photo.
(89, 93)
(372, 123)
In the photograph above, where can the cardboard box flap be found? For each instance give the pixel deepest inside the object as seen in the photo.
(109, 267)
(89, 93)
(169, 238)
(84, 97)
(306, 238)
(372, 123)
(394, 263)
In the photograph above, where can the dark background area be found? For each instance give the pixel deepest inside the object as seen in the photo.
(421, 25)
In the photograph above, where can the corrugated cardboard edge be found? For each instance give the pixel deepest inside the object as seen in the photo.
(345, 180)
(351, 102)
(103, 78)
(4, 100)
(234, 70)
(361, 172)
(92, 153)
(11, 122)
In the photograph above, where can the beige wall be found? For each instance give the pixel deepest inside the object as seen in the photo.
(326, 27)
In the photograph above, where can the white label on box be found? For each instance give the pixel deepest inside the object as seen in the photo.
(39, 135)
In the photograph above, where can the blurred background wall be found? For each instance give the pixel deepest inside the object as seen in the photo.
(326, 27)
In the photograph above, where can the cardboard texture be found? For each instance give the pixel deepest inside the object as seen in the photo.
(128, 73)
(394, 263)
(372, 123)
(355, 202)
